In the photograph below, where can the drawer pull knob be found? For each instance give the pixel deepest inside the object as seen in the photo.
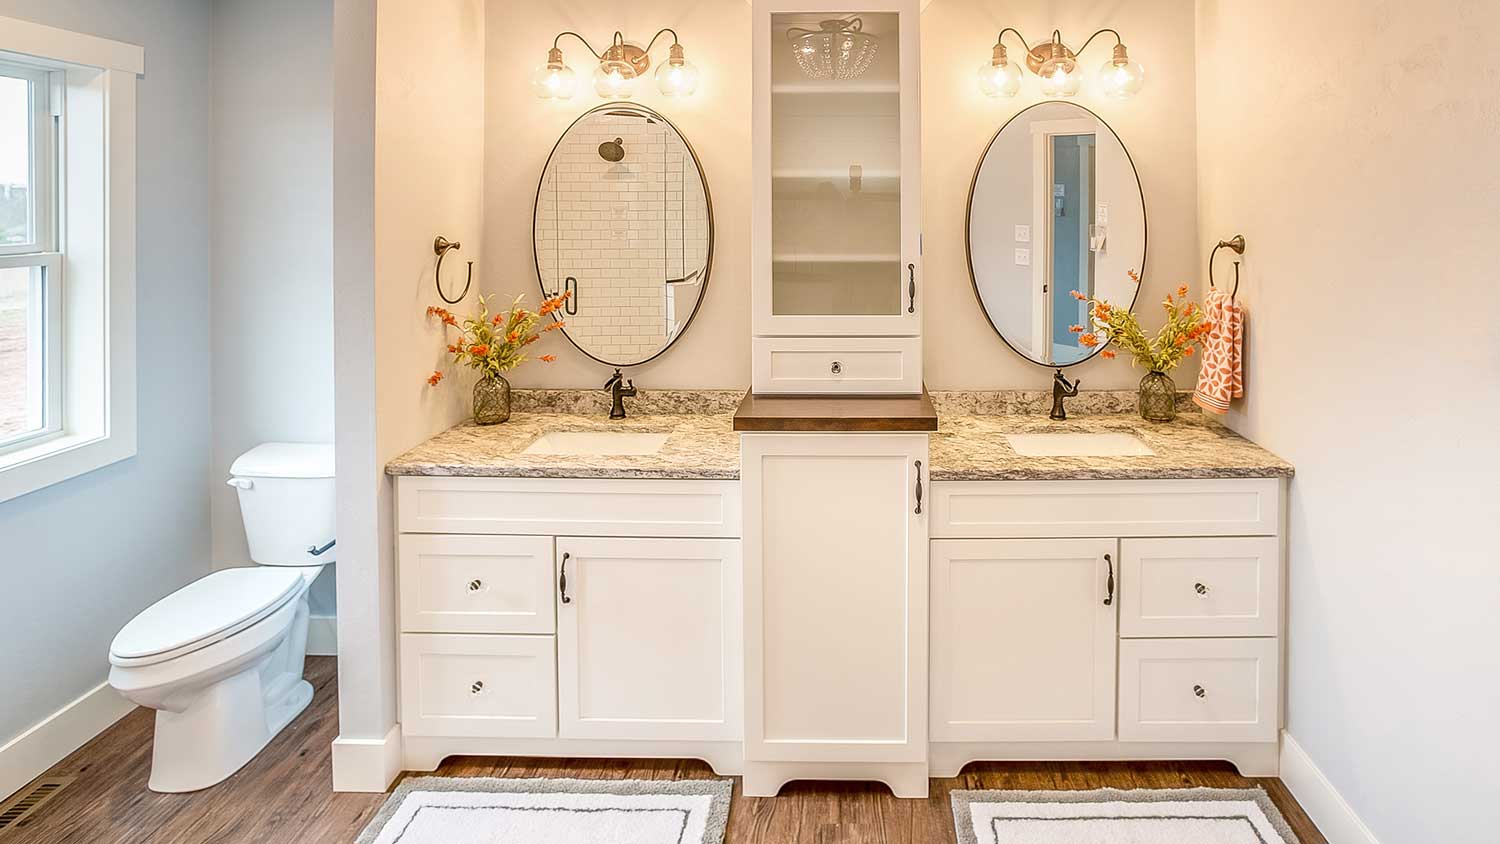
(1109, 583)
(836, 368)
(477, 687)
(1199, 691)
(475, 585)
(1200, 589)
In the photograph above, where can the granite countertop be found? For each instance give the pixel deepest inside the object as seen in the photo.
(969, 444)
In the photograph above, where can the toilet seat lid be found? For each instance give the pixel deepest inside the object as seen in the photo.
(206, 610)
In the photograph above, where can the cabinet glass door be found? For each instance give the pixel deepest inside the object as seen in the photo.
(836, 165)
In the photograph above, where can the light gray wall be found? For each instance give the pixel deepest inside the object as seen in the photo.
(272, 243)
(80, 558)
(1366, 188)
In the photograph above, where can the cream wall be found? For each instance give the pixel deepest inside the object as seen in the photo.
(1367, 189)
(408, 129)
(962, 351)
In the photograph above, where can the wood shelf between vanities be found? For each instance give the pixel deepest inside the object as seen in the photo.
(836, 413)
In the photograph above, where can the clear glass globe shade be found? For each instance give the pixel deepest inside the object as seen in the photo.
(612, 84)
(1002, 81)
(677, 80)
(1060, 78)
(1123, 81)
(554, 83)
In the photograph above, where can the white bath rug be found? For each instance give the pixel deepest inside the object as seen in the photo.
(481, 810)
(1110, 816)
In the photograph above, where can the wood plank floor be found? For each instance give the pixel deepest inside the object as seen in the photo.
(284, 794)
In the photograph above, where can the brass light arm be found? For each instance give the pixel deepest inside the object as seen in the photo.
(999, 39)
(663, 31)
(585, 42)
(1118, 40)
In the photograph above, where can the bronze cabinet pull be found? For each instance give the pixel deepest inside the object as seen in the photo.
(911, 288)
(919, 488)
(562, 580)
(1109, 584)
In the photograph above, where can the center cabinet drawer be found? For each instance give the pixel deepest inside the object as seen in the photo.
(1210, 690)
(476, 584)
(1225, 586)
(489, 686)
(852, 365)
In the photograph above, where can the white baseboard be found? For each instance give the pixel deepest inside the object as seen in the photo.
(1317, 796)
(31, 753)
(369, 765)
(323, 635)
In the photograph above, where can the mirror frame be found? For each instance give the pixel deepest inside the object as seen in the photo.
(968, 228)
(708, 201)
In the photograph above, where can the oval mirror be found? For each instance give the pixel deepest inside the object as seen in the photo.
(1055, 208)
(623, 222)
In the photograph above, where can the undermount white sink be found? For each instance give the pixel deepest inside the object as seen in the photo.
(1078, 445)
(597, 442)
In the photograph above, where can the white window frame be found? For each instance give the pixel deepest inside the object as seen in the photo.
(90, 257)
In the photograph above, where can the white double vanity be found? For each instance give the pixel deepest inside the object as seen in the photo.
(838, 578)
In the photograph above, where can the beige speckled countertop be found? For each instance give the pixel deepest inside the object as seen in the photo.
(969, 444)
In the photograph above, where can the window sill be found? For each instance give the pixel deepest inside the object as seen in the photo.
(57, 459)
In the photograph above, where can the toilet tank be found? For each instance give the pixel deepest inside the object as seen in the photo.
(287, 502)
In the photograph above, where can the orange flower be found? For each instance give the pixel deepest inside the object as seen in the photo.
(434, 378)
(1101, 310)
(550, 305)
(449, 320)
(452, 348)
(1078, 295)
(547, 358)
(479, 350)
(1134, 276)
(1182, 290)
(499, 318)
(1076, 329)
(513, 337)
(532, 339)
(1107, 354)
(1188, 351)
(1090, 340)
(553, 326)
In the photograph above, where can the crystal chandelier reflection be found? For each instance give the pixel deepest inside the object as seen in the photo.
(837, 49)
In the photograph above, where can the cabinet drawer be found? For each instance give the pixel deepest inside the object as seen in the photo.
(478, 685)
(476, 584)
(568, 507)
(1212, 690)
(1228, 586)
(789, 365)
(1046, 509)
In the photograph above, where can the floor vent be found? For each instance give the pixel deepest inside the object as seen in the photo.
(18, 810)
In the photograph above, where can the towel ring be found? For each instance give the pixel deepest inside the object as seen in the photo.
(442, 246)
(1235, 244)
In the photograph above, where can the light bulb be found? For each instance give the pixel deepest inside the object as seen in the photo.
(1001, 81)
(678, 77)
(554, 80)
(999, 77)
(1060, 77)
(614, 80)
(1120, 78)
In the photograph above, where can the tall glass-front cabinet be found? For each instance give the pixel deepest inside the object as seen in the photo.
(836, 241)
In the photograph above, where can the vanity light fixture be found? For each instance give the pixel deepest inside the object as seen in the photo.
(1056, 65)
(620, 67)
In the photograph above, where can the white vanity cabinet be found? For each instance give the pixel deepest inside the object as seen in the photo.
(562, 617)
(835, 609)
(1102, 619)
(837, 283)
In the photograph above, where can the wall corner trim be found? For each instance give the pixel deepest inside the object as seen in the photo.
(31, 753)
(368, 765)
(49, 42)
(1322, 802)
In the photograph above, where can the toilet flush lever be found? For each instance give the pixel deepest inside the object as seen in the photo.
(316, 551)
(241, 483)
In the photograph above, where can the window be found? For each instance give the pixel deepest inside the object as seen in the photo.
(67, 253)
(30, 263)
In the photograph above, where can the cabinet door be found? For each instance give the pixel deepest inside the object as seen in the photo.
(835, 597)
(837, 168)
(1023, 643)
(648, 639)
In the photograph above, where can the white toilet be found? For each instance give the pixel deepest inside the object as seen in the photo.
(220, 660)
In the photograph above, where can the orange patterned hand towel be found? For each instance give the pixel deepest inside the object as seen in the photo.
(1221, 377)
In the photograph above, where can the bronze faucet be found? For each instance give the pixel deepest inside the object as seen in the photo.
(1061, 389)
(619, 390)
